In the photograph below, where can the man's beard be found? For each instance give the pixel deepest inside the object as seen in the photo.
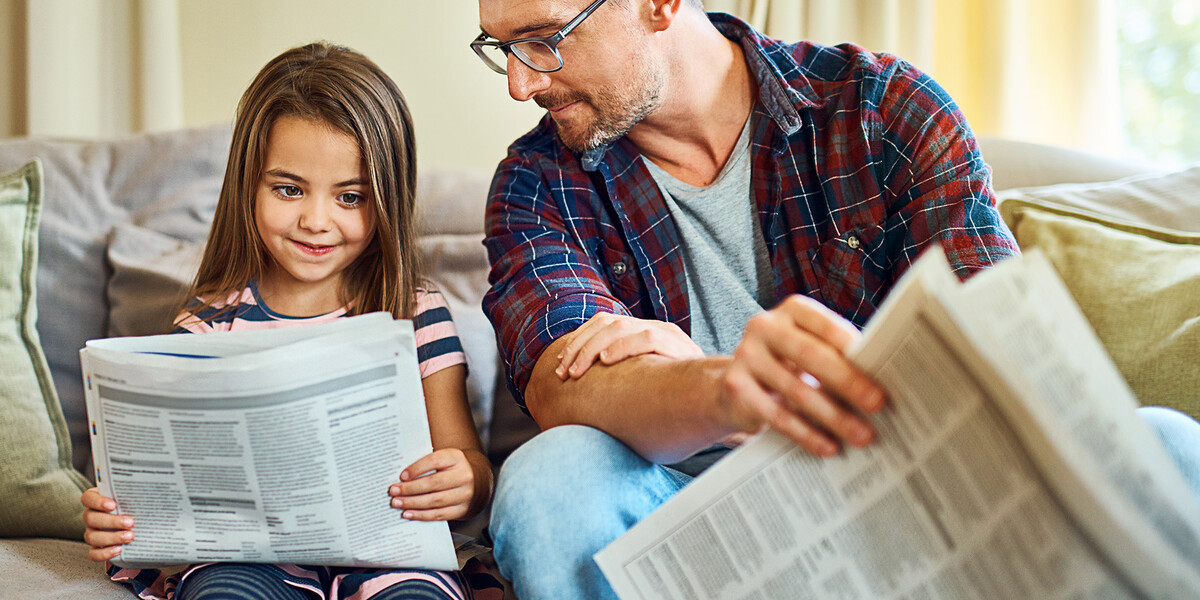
(616, 112)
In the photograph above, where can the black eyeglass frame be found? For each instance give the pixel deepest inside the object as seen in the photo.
(550, 42)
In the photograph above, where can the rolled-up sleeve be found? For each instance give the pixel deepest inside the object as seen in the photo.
(543, 283)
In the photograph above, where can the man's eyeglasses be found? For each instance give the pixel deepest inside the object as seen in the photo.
(538, 53)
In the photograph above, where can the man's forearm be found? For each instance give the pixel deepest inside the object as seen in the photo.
(665, 409)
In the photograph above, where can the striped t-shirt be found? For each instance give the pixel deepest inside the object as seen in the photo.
(438, 346)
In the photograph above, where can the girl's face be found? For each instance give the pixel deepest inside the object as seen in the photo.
(314, 212)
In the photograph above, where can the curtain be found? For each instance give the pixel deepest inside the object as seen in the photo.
(96, 68)
(1037, 71)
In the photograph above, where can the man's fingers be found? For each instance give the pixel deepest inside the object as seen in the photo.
(600, 341)
(665, 339)
(803, 396)
(577, 340)
(810, 315)
(763, 408)
(814, 355)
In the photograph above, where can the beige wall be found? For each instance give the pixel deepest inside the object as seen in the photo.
(12, 67)
(462, 110)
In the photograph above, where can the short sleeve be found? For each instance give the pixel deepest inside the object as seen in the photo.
(438, 346)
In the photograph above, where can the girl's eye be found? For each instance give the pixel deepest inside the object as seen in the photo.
(288, 191)
(351, 198)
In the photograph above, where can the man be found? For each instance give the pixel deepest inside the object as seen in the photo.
(691, 173)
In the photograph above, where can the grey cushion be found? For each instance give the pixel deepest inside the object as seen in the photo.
(40, 569)
(167, 182)
(40, 489)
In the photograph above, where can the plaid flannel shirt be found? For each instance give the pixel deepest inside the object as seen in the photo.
(859, 161)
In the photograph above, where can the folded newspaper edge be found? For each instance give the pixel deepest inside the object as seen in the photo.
(272, 446)
(1009, 463)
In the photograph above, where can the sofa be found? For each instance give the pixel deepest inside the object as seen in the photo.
(121, 222)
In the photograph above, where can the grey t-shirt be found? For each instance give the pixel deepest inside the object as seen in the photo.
(729, 275)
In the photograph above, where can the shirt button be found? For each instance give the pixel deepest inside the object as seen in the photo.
(853, 242)
(619, 268)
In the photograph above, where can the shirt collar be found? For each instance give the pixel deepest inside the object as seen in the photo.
(779, 96)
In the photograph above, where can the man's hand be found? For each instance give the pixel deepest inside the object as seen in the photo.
(790, 373)
(610, 338)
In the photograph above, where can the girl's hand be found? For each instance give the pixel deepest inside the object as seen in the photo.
(610, 339)
(443, 493)
(106, 532)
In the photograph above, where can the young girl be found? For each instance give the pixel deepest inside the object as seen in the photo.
(315, 222)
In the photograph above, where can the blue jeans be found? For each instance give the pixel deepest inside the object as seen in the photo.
(562, 497)
(570, 491)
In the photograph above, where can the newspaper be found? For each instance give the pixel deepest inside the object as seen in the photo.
(273, 446)
(1009, 463)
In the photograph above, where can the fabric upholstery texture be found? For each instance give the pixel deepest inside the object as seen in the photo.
(39, 487)
(1138, 285)
(166, 181)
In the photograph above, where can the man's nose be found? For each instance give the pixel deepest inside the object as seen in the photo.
(523, 82)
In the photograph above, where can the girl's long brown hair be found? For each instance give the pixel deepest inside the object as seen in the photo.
(344, 90)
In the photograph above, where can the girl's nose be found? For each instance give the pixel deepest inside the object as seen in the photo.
(315, 216)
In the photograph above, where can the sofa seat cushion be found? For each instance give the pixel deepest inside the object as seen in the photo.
(45, 569)
(39, 487)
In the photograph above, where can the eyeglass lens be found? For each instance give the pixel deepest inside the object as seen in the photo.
(537, 55)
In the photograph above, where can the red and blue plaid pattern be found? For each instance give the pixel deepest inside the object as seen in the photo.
(859, 161)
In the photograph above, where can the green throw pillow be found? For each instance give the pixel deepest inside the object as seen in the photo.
(39, 490)
(1138, 285)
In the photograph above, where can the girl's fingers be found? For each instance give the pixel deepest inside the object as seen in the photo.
(106, 539)
(93, 500)
(103, 554)
(434, 482)
(439, 499)
(438, 460)
(449, 513)
(107, 521)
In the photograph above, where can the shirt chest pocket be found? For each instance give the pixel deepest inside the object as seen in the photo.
(848, 269)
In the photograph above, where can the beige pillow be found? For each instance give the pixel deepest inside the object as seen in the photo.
(1138, 285)
(38, 487)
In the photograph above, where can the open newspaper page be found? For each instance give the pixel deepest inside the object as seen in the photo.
(1109, 469)
(948, 503)
(272, 446)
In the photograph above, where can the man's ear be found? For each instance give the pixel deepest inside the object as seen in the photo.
(663, 13)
